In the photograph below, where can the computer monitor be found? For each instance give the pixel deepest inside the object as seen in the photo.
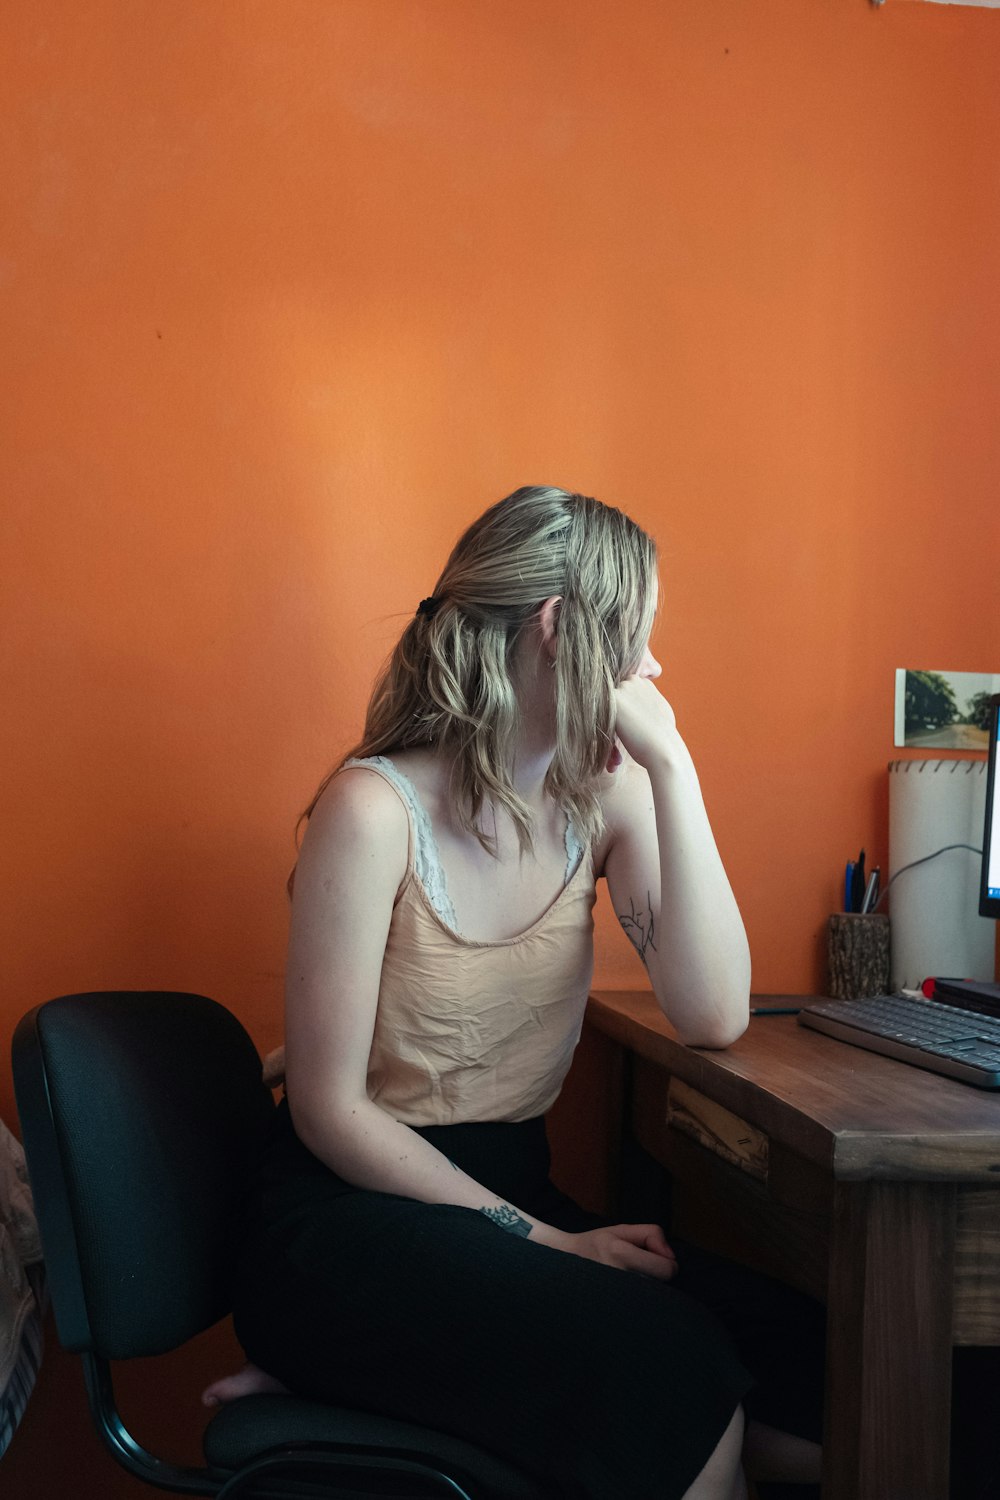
(989, 890)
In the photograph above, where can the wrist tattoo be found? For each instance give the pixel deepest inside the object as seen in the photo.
(509, 1219)
(639, 927)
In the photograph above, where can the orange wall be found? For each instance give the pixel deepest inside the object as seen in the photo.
(289, 292)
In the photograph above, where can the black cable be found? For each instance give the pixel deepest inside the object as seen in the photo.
(913, 865)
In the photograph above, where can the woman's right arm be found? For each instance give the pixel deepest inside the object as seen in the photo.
(352, 863)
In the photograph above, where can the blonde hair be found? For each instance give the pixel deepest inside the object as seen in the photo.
(449, 681)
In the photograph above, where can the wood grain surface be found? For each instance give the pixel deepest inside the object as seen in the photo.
(869, 1183)
(856, 1114)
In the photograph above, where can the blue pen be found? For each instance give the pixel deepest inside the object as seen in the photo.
(849, 886)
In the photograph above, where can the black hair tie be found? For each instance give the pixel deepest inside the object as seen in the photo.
(429, 607)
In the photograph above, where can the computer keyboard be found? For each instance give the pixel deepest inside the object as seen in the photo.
(958, 1043)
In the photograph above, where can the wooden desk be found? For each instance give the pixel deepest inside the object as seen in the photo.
(873, 1185)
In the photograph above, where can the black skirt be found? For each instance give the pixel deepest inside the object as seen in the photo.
(599, 1382)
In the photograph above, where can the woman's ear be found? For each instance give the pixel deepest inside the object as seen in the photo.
(548, 624)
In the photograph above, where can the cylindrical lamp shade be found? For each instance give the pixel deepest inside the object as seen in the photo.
(936, 926)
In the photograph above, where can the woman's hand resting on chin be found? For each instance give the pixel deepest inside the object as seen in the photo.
(645, 725)
(630, 1247)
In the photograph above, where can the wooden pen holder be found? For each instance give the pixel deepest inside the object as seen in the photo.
(857, 950)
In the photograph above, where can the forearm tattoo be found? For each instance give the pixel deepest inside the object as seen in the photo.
(509, 1219)
(639, 927)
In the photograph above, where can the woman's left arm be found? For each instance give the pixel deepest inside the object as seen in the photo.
(666, 879)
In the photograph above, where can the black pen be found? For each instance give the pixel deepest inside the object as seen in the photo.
(858, 883)
(775, 1010)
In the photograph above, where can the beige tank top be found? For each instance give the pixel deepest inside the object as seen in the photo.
(470, 1030)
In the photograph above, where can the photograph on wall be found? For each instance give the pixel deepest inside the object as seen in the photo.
(943, 710)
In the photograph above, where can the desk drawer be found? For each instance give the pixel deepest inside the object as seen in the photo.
(717, 1129)
(734, 1190)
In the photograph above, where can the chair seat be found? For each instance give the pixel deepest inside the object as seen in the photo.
(241, 1430)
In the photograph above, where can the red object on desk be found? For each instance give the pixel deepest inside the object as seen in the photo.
(927, 988)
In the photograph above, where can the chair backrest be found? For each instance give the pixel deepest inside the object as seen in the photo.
(142, 1113)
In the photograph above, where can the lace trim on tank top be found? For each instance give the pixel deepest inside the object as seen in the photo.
(426, 858)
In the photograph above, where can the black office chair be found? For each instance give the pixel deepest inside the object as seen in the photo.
(141, 1114)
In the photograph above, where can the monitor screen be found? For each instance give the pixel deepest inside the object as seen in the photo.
(989, 890)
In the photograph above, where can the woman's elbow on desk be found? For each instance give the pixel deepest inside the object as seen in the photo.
(711, 1023)
(703, 988)
(715, 1036)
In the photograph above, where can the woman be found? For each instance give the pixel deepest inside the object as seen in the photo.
(406, 1250)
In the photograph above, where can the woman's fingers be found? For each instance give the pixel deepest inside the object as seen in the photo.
(274, 1068)
(635, 1258)
(656, 1241)
(629, 1247)
(648, 1263)
(643, 718)
(649, 1238)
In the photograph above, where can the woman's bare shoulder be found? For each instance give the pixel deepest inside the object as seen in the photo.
(358, 804)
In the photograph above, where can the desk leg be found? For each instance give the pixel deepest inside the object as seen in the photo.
(890, 1327)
